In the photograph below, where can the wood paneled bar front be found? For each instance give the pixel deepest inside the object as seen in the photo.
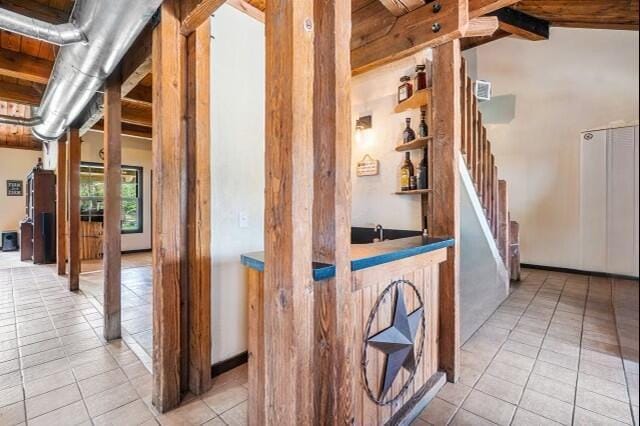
(391, 282)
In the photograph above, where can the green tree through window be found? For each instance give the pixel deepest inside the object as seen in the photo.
(92, 196)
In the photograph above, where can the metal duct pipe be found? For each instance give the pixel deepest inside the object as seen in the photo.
(80, 69)
(20, 121)
(61, 35)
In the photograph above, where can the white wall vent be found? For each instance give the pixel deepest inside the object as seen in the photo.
(482, 90)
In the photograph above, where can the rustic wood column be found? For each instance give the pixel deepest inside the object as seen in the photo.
(288, 286)
(446, 193)
(334, 363)
(61, 207)
(199, 207)
(112, 205)
(73, 140)
(169, 202)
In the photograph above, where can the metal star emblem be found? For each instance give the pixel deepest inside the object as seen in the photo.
(397, 342)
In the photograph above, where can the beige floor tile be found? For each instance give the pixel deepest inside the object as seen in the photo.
(603, 405)
(10, 380)
(221, 399)
(507, 372)
(48, 383)
(42, 357)
(39, 371)
(466, 418)
(521, 348)
(193, 413)
(547, 406)
(499, 388)
(110, 399)
(562, 360)
(94, 368)
(515, 360)
(11, 395)
(102, 382)
(438, 412)
(12, 414)
(526, 338)
(584, 417)
(41, 404)
(552, 388)
(44, 345)
(454, 393)
(237, 416)
(216, 421)
(556, 372)
(133, 413)
(603, 387)
(70, 415)
(598, 370)
(489, 407)
(527, 418)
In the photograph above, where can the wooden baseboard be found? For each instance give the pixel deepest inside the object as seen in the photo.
(577, 271)
(229, 364)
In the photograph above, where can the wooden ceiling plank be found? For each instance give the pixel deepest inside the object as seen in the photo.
(140, 95)
(27, 95)
(136, 114)
(522, 25)
(127, 130)
(195, 12)
(24, 67)
(36, 10)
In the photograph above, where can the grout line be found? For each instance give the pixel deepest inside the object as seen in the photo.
(584, 314)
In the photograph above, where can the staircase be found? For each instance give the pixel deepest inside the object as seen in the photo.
(491, 191)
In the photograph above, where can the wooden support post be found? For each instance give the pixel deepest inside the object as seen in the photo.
(112, 206)
(464, 145)
(199, 207)
(470, 112)
(73, 140)
(503, 221)
(288, 286)
(334, 362)
(169, 205)
(446, 192)
(61, 207)
(494, 198)
(480, 155)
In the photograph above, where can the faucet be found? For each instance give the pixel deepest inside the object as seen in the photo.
(380, 231)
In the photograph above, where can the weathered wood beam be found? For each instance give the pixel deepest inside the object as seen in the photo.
(132, 130)
(24, 67)
(479, 8)
(334, 365)
(445, 217)
(430, 25)
(36, 9)
(199, 206)
(21, 94)
(19, 142)
(73, 186)
(248, 8)
(169, 205)
(471, 42)
(522, 25)
(61, 207)
(195, 12)
(140, 95)
(288, 293)
(136, 113)
(112, 145)
(481, 27)
(401, 7)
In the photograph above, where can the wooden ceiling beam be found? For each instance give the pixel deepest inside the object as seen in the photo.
(137, 114)
(27, 95)
(479, 8)
(132, 130)
(522, 25)
(401, 7)
(248, 8)
(24, 67)
(140, 95)
(195, 12)
(35, 9)
(484, 26)
(9, 140)
(471, 42)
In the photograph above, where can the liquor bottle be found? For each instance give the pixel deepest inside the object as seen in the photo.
(423, 172)
(408, 135)
(406, 171)
(423, 129)
(421, 77)
(405, 90)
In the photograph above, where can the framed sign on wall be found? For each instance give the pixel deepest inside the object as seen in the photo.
(14, 188)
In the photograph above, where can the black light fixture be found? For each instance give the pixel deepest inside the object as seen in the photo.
(364, 123)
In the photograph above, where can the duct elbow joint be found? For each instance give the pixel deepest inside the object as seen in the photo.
(61, 34)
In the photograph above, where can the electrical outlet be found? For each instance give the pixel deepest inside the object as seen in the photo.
(243, 220)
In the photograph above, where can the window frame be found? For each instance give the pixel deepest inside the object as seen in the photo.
(140, 175)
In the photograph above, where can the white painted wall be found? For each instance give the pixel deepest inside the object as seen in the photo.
(578, 79)
(135, 152)
(15, 164)
(374, 200)
(237, 153)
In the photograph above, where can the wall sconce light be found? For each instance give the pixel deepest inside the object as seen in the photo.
(364, 130)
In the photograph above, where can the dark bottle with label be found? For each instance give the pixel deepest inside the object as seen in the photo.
(423, 171)
(421, 77)
(406, 172)
(408, 135)
(423, 128)
(405, 90)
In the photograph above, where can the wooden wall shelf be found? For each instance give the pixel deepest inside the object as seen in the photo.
(415, 191)
(419, 99)
(414, 144)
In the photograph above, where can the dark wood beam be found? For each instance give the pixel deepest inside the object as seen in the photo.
(24, 67)
(522, 25)
(21, 94)
(61, 207)
(112, 145)
(195, 12)
(36, 9)
(132, 130)
(73, 185)
(140, 95)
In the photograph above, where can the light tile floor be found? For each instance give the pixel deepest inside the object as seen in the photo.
(562, 349)
(56, 369)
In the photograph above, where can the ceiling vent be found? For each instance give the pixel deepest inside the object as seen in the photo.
(482, 90)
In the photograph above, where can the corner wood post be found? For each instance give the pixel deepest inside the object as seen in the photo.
(446, 193)
(73, 140)
(333, 312)
(112, 142)
(288, 286)
(61, 207)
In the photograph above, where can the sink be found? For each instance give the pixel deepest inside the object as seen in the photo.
(367, 235)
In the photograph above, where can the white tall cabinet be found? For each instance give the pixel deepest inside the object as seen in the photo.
(609, 209)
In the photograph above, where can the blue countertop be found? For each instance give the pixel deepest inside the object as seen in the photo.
(365, 255)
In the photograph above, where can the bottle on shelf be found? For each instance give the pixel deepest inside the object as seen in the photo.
(421, 77)
(405, 90)
(413, 183)
(423, 171)
(423, 128)
(408, 135)
(406, 171)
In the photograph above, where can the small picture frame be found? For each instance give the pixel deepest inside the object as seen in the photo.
(367, 166)
(14, 188)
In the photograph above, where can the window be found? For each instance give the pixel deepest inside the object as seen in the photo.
(92, 196)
